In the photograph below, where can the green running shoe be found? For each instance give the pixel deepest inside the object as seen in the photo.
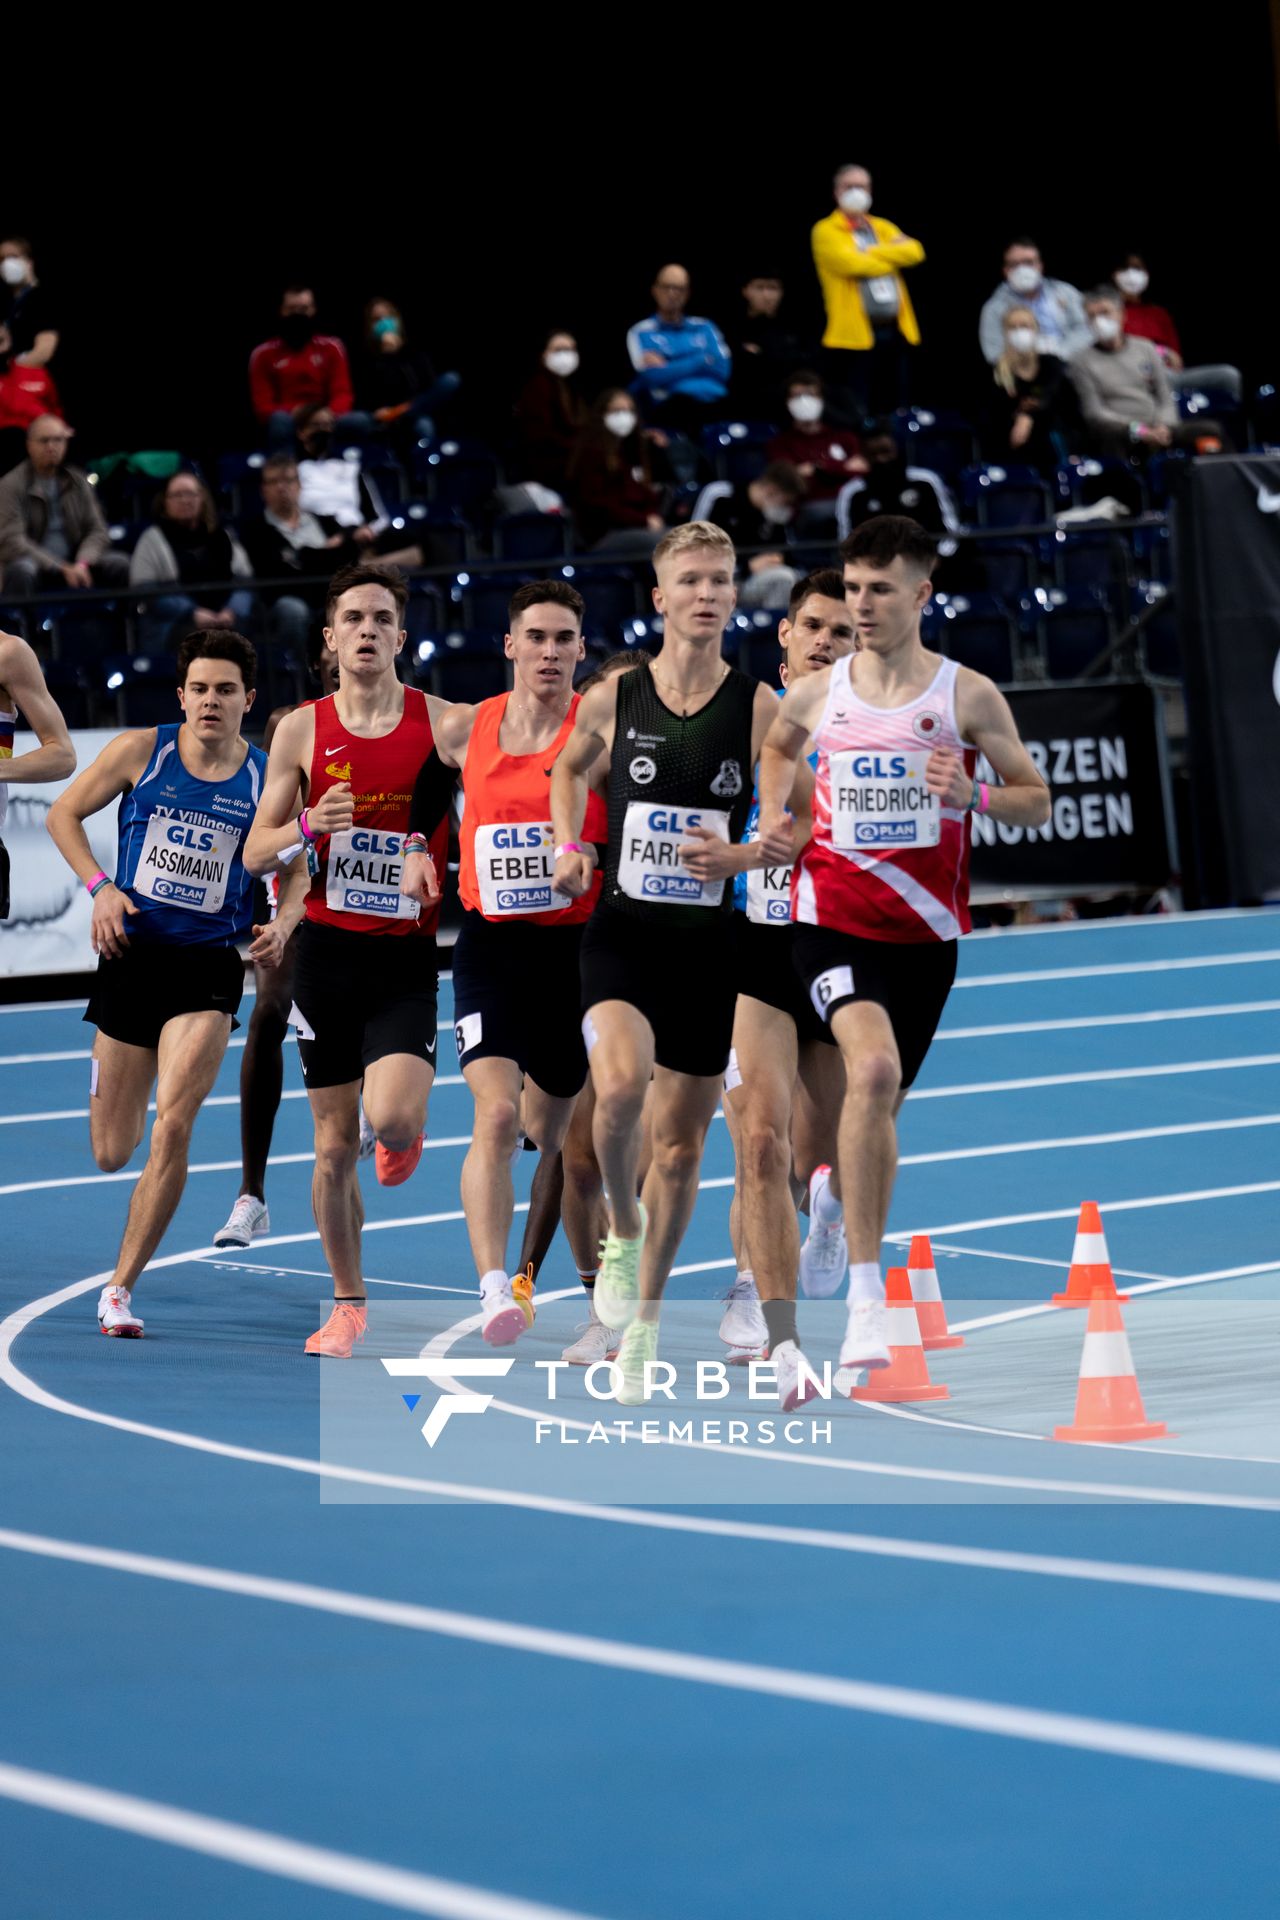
(639, 1343)
(617, 1288)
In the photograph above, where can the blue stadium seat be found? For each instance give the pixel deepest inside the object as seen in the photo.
(445, 532)
(457, 473)
(943, 442)
(976, 629)
(1160, 651)
(1074, 625)
(643, 630)
(1004, 496)
(72, 692)
(484, 598)
(1089, 557)
(736, 448)
(612, 594)
(1153, 552)
(380, 465)
(461, 665)
(143, 687)
(240, 482)
(1213, 403)
(532, 536)
(1009, 566)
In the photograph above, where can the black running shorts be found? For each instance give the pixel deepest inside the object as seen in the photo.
(680, 978)
(358, 997)
(517, 996)
(910, 980)
(138, 992)
(765, 972)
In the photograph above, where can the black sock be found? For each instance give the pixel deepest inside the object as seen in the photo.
(350, 1299)
(780, 1318)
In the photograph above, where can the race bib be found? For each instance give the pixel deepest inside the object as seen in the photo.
(182, 865)
(650, 865)
(769, 895)
(879, 799)
(363, 874)
(514, 865)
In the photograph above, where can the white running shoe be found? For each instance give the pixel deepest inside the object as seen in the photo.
(368, 1138)
(617, 1288)
(639, 1345)
(743, 1356)
(866, 1340)
(595, 1342)
(504, 1317)
(249, 1221)
(793, 1391)
(824, 1257)
(116, 1316)
(742, 1322)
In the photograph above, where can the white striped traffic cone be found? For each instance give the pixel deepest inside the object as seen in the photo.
(907, 1375)
(1108, 1402)
(1090, 1263)
(927, 1294)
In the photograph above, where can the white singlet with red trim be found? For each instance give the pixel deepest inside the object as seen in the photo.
(886, 862)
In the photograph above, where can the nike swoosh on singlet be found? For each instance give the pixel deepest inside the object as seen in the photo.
(340, 748)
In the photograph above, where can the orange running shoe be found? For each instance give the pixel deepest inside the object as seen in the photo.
(522, 1288)
(394, 1168)
(340, 1332)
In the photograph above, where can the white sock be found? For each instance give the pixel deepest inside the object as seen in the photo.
(495, 1278)
(866, 1282)
(824, 1206)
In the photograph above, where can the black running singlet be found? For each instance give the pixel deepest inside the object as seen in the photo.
(668, 774)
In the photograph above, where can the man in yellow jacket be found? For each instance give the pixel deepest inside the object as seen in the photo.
(870, 319)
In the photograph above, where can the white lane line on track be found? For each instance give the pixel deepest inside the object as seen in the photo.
(1188, 1198)
(1018, 1260)
(12, 1376)
(317, 1273)
(1095, 1075)
(234, 1045)
(1119, 1739)
(1086, 1022)
(273, 1853)
(1104, 972)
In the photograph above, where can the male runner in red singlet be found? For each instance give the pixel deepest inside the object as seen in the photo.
(880, 891)
(365, 974)
(516, 991)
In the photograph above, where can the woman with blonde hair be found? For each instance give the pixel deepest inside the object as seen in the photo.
(1034, 419)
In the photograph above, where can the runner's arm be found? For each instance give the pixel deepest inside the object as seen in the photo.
(270, 941)
(275, 825)
(985, 717)
(117, 768)
(780, 756)
(432, 793)
(20, 676)
(451, 725)
(590, 741)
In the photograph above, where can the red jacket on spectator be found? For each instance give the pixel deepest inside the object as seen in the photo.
(26, 393)
(1152, 323)
(283, 378)
(827, 452)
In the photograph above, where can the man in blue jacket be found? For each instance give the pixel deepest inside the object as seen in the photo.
(682, 363)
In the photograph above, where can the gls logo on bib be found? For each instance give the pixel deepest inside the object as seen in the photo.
(728, 782)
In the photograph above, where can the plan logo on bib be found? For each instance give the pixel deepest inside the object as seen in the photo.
(728, 782)
(642, 769)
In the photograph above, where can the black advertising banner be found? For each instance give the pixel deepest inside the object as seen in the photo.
(1228, 552)
(1099, 747)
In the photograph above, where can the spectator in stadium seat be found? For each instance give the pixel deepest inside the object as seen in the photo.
(615, 503)
(550, 414)
(871, 323)
(1142, 319)
(824, 456)
(399, 386)
(1033, 417)
(52, 533)
(1057, 306)
(185, 548)
(765, 350)
(297, 368)
(335, 486)
(1124, 391)
(24, 306)
(288, 540)
(25, 393)
(891, 486)
(755, 514)
(682, 366)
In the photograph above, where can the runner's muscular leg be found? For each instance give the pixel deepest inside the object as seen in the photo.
(585, 1219)
(121, 1078)
(488, 1197)
(188, 1059)
(815, 1123)
(765, 1040)
(336, 1200)
(621, 1060)
(733, 1103)
(868, 1145)
(396, 1089)
(682, 1107)
(262, 1070)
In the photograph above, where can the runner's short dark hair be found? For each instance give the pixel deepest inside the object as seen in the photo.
(537, 593)
(824, 580)
(616, 663)
(882, 540)
(371, 575)
(223, 645)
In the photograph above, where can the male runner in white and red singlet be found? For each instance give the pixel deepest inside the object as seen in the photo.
(880, 893)
(365, 974)
(516, 993)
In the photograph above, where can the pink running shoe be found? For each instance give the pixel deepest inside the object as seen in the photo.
(393, 1168)
(341, 1331)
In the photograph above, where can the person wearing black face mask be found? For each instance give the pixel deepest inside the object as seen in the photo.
(891, 486)
(301, 367)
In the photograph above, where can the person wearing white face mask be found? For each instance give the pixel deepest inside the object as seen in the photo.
(24, 306)
(1033, 417)
(1057, 306)
(1125, 397)
(1142, 319)
(860, 260)
(615, 504)
(550, 413)
(824, 456)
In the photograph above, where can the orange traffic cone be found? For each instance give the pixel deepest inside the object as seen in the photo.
(927, 1295)
(1090, 1273)
(907, 1375)
(1108, 1403)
